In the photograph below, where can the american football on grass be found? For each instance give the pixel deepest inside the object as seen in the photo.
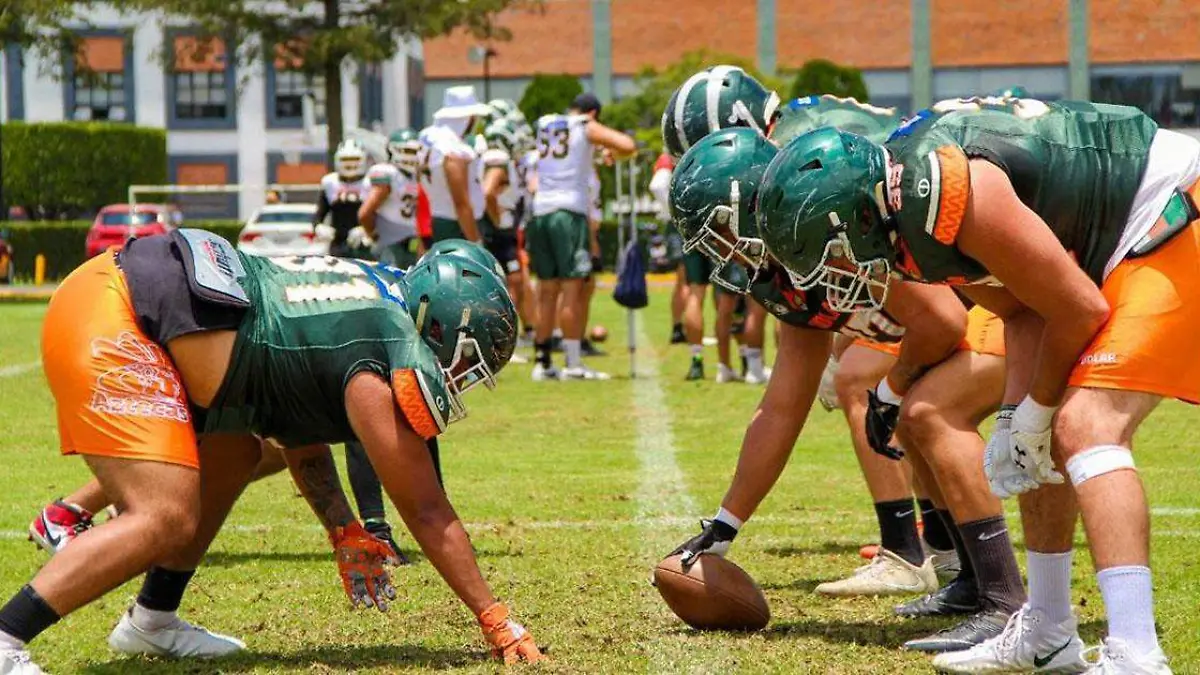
(598, 333)
(713, 594)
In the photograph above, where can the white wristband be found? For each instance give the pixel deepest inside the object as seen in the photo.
(884, 391)
(728, 518)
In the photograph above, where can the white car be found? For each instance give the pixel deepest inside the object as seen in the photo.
(284, 229)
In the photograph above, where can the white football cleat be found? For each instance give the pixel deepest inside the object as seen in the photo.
(181, 640)
(726, 374)
(760, 377)
(1115, 658)
(584, 373)
(543, 374)
(886, 574)
(1029, 644)
(17, 662)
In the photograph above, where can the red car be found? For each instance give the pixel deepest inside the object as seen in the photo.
(116, 223)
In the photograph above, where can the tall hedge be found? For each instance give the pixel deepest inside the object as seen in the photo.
(60, 170)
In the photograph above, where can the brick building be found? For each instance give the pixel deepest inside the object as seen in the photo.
(1139, 52)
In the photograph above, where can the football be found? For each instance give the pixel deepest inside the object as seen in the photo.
(598, 333)
(714, 594)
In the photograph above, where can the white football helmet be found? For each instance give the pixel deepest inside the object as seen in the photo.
(350, 160)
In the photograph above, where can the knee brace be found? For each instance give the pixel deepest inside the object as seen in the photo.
(1097, 461)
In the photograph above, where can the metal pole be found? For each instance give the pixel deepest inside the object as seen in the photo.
(487, 74)
(633, 237)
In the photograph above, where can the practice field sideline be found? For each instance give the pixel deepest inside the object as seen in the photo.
(571, 492)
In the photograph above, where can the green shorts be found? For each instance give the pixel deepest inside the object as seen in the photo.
(402, 254)
(446, 228)
(558, 245)
(698, 270)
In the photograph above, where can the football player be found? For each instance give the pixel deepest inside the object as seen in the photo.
(389, 212)
(452, 172)
(171, 358)
(558, 237)
(1077, 222)
(342, 193)
(502, 193)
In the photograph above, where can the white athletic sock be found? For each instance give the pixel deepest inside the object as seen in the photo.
(1129, 603)
(697, 350)
(151, 620)
(571, 349)
(754, 360)
(9, 642)
(557, 332)
(1050, 584)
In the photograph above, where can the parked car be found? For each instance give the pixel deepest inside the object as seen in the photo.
(6, 259)
(117, 223)
(284, 229)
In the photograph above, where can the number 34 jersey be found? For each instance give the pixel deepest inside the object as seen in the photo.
(564, 166)
(396, 219)
(314, 322)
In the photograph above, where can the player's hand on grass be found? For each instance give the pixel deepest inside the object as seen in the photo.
(361, 560)
(883, 414)
(509, 640)
(715, 537)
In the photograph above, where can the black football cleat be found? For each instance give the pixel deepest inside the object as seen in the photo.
(974, 630)
(957, 597)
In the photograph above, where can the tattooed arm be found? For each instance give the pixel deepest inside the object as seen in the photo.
(316, 475)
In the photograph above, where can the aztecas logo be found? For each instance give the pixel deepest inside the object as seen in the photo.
(219, 257)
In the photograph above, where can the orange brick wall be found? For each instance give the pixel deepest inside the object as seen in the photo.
(1124, 31)
(989, 33)
(658, 33)
(558, 40)
(862, 33)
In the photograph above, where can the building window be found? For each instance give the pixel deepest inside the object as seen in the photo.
(200, 84)
(98, 86)
(290, 88)
(1168, 97)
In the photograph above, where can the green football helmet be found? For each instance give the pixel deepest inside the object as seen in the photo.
(404, 149)
(713, 99)
(465, 315)
(822, 214)
(712, 196)
(502, 135)
(1016, 91)
(465, 249)
(501, 108)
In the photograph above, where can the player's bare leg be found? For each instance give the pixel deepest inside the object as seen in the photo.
(726, 305)
(900, 565)
(693, 328)
(573, 319)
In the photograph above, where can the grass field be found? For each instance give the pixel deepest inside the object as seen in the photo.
(571, 492)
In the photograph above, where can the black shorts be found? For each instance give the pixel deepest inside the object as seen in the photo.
(503, 245)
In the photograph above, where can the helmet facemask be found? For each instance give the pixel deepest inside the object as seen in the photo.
(742, 116)
(467, 368)
(405, 156)
(850, 285)
(350, 163)
(749, 252)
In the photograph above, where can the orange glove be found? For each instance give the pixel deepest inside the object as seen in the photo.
(361, 559)
(509, 640)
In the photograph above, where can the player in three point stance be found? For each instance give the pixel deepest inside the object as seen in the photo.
(171, 358)
(1082, 216)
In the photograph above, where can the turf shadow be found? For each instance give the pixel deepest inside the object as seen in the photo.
(235, 558)
(825, 548)
(856, 632)
(347, 658)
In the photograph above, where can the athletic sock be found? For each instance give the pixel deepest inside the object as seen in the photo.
(898, 529)
(163, 589)
(754, 360)
(26, 616)
(1129, 604)
(1050, 584)
(697, 350)
(571, 348)
(966, 569)
(542, 349)
(934, 532)
(996, 573)
(151, 620)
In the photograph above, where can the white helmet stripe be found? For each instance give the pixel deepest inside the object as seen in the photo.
(716, 75)
(681, 106)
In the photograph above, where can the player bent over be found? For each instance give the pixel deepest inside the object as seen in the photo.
(169, 357)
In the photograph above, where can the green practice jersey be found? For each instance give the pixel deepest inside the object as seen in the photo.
(1077, 165)
(314, 322)
(812, 112)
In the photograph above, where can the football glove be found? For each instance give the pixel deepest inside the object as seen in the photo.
(361, 559)
(1030, 441)
(509, 640)
(715, 537)
(882, 417)
(1004, 477)
(827, 391)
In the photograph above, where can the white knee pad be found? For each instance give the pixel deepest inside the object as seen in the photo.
(1098, 461)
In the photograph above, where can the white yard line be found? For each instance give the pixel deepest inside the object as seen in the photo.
(19, 369)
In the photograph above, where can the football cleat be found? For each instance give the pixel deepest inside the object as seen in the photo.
(726, 374)
(886, 574)
(945, 563)
(381, 530)
(960, 596)
(546, 374)
(758, 377)
(587, 348)
(1114, 657)
(17, 662)
(180, 639)
(696, 370)
(584, 373)
(677, 336)
(58, 524)
(1028, 643)
(978, 628)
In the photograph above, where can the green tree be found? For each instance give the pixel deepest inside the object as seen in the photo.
(43, 25)
(819, 76)
(548, 94)
(321, 35)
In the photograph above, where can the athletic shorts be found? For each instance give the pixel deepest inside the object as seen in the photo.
(116, 391)
(1152, 338)
(503, 245)
(985, 335)
(697, 268)
(446, 228)
(558, 245)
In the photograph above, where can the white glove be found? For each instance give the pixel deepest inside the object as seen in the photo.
(826, 392)
(1004, 477)
(357, 238)
(1030, 441)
